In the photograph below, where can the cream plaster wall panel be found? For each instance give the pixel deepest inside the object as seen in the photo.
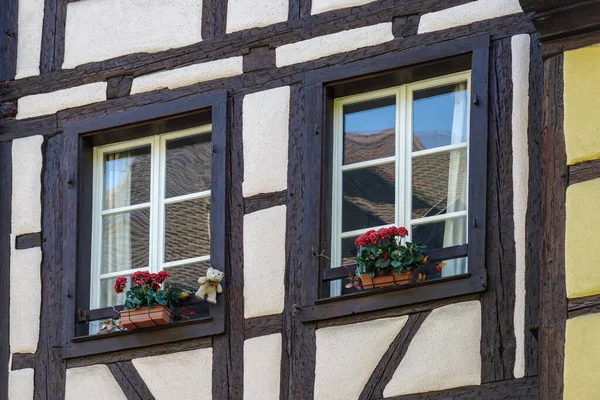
(189, 75)
(340, 372)
(320, 6)
(467, 14)
(29, 44)
(101, 29)
(262, 367)
(184, 375)
(93, 381)
(36, 105)
(444, 354)
(581, 242)
(582, 119)
(582, 364)
(264, 262)
(26, 185)
(266, 119)
(25, 298)
(520, 78)
(20, 384)
(245, 14)
(327, 45)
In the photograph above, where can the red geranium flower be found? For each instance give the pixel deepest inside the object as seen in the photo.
(120, 284)
(402, 231)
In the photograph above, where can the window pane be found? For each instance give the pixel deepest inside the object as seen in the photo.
(349, 252)
(187, 229)
(108, 296)
(439, 183)
(453, 267)
(369, 197)
(186, 276)
(188, 165)
(369, 130)
(436, 235)
(127, 178)
(125, 241)
(440, 116)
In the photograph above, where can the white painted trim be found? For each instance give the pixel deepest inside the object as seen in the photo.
(520, 49)
(369, 163)
(158, 144)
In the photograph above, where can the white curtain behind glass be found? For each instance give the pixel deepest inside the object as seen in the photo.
(117, 251)
(455, 229)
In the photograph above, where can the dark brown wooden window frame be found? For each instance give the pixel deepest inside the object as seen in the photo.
(366, 75)
(79, 138)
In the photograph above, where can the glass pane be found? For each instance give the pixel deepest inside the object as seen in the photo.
(453, 267)
(440, 116)
(125, 241)
(439, 183)
(108, 296)
(369, 130)
(188, 165)
(127, 178)
(437, 235)
(349, 251)
(187, 229)
(369, 197)
(186, 276)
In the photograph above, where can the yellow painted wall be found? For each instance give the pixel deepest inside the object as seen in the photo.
(582, 252)
(582, 358)
(582, 104)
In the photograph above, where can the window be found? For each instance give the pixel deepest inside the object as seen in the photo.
(151, 210)
(397, 139)
(400, 157)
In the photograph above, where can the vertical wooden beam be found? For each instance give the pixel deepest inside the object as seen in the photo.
(498, 341)
(5, 228)
(533, 227)
(553, 299)
(8, 39)
(214, 18)
(53, 35)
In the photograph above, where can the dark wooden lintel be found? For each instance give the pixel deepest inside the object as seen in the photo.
(584, 305)
(28, 241)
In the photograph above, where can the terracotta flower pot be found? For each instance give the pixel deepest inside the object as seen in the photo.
(393, 279)
(145, 317)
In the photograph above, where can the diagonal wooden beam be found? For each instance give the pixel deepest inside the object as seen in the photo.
(390, 361)
(130, 381)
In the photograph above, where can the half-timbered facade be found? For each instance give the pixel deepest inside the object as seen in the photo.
(262, 138)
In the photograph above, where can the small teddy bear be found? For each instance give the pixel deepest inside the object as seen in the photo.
(210, 285)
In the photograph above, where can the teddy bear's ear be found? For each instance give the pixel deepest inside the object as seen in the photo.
(209, 270)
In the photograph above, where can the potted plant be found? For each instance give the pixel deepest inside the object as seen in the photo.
(146, 304)
(385, 258)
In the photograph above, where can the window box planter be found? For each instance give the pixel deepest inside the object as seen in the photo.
(145, 317)
(392, 279)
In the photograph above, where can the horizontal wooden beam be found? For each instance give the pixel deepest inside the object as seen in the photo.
(264, 200)
(447, 253)
(526, 388)
(583, 306)
(261, 326)
(584, 171)
(22, 361)
(28, 241)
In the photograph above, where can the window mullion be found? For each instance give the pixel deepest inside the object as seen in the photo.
(96, 228)
(402, 150)
(155, 217)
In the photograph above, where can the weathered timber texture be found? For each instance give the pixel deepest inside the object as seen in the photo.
(8, 109)
(22, 361)
(553, 299)
(259, 58)
(261, 326)
(274, 35)
(5, 229)
(533, 227)
(228, 357)
(127, 355)
(264, 200)
(28, 241)
(559, 46)
(14, 129)
(53, 35)
(584, 171)
(214, 18)
(382, 374)
(49, 367)
(130, 381)
(584, 305)
(118, 86)
(515, 389)
(498, 302)
(8, 39)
